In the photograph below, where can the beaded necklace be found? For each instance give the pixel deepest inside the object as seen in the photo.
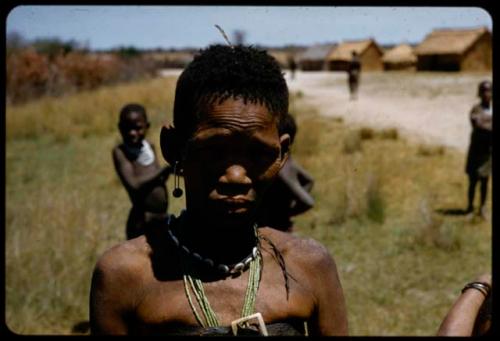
(253, 261)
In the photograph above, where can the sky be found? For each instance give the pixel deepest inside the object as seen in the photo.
(144, 27)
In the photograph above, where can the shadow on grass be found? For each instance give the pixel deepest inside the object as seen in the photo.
(452, 211)
(82, 327)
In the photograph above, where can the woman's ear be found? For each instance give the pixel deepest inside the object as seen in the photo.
(170, 144)
(285, 148)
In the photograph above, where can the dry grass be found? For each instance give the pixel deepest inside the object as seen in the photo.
(430, 150)
(401, 263)
(88, 113)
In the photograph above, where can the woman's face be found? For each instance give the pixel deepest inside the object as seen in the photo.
(232, 157)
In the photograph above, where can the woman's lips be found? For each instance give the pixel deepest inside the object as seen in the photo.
(234, 205)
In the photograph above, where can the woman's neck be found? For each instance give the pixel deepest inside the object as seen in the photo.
(227, 245)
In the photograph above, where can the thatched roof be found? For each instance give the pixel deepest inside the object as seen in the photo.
(280, 56)
(449, 41)
(317, 52)
(344, 50)
(399, 54)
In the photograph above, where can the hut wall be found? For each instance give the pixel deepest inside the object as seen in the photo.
(338, 65)
(371, 60)
(400, 66)
(479, 56)
(439, 62)
(312, 65)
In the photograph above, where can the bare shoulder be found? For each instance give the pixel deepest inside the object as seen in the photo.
(126, 259)
(117, 148)
(151, 144)
(303, 250)
(117, 151)
(476, 108)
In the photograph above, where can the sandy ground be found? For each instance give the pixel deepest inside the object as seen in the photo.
(427, 108)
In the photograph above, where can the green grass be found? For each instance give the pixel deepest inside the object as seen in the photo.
(401, 264)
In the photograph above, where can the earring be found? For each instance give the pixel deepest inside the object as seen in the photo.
(177, 192)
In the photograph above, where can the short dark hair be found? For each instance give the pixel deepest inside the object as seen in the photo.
(220, 72)
(288, 126)
(483, 86)
(132, 107)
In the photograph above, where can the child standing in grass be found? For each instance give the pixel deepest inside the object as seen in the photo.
(478, 165)
(139, 171)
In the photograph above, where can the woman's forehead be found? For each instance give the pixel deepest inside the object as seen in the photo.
(235, 114)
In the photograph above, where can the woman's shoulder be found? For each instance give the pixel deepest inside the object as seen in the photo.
(305, 249)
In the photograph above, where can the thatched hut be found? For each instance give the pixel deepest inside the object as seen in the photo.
(455, 50)
(370, 55)
(280, 56)
(400, 57)
(314, 58)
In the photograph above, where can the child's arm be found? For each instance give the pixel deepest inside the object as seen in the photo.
(132, 181)
(289, 174)
(479, 119)
(305, 179)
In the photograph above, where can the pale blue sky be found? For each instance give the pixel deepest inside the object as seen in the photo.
(102, 27)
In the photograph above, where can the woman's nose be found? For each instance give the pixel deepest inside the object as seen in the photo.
(235, 174)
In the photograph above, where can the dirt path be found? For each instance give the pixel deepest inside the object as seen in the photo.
(430, 108)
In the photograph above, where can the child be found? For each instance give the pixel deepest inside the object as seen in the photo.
(139, 171)
(353, 73)
(478, 165)
(290, 194)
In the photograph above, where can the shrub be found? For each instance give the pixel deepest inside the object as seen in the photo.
(27, 75)
(366, 133)
(429, 150)
(352, 142)
(31, 74)
(389, 133)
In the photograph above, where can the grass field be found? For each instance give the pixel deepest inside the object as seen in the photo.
(401, 262)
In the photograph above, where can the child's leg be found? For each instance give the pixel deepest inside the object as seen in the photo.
(135, 223)
(472, 188)
(484, 192)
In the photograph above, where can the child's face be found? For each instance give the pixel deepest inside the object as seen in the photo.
(486, 94)
(133, 128)
(233, 155)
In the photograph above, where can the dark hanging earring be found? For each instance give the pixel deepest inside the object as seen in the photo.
(177, 192)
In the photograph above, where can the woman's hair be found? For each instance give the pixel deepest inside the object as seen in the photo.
(220, 72)
(288, 126)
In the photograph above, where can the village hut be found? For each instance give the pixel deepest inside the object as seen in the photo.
(314, 57)
(455, 50)
(280, 56)
(370, 55)
(400, 57)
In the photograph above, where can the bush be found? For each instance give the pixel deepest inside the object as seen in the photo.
(352, 142)
(429, 150)
(31, 74)
(28, 73)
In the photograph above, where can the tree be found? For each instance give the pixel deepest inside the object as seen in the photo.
(14, 42)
